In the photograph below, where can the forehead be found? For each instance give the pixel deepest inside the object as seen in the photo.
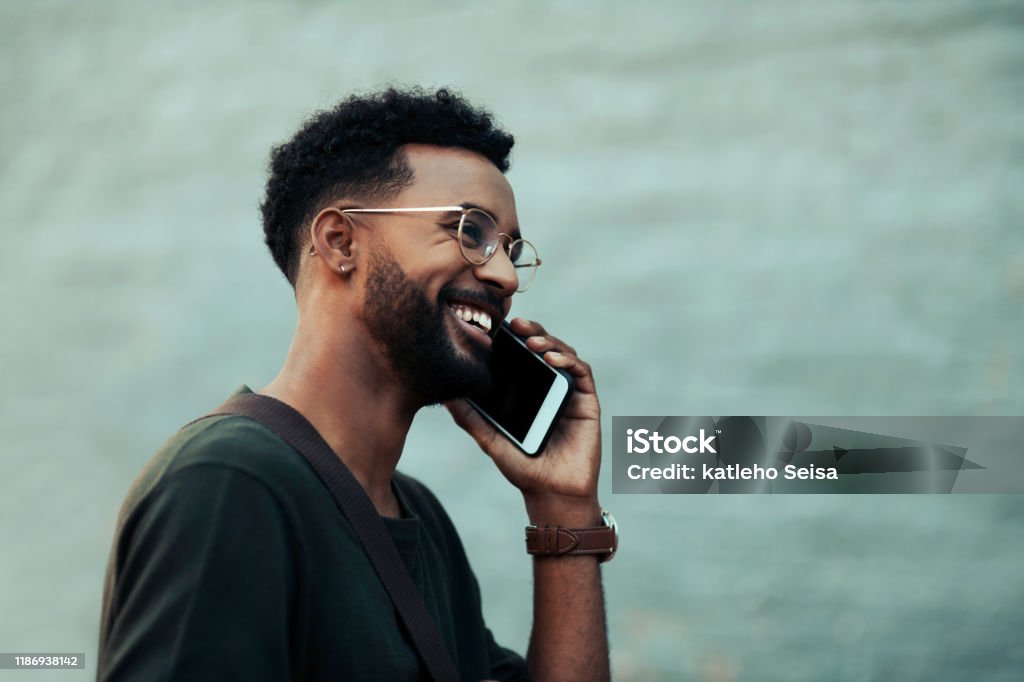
(450, 176)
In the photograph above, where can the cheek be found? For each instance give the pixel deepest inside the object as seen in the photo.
(435, 273)
(428, 261)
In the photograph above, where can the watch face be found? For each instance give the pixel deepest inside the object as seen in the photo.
(609, 521)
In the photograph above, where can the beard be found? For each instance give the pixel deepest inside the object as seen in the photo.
(415, 338)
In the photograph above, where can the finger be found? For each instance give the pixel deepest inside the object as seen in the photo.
(531, 330)
(525, 327)
(542, 344)
(488, 438)
(580, 370)
(567, 361)
(539, 341)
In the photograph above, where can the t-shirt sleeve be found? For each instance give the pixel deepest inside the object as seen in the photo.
(506, 665)
(204, 582)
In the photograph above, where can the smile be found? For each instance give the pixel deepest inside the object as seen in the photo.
(476, 319)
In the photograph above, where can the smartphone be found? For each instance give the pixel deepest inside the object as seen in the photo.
(527, 395)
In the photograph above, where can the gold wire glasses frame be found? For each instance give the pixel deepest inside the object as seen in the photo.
(478, 239)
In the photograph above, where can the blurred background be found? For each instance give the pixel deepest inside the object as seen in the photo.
(759, 208)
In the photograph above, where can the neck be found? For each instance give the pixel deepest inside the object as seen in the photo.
(338, 381)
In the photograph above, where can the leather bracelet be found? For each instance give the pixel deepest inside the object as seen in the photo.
(557, 541)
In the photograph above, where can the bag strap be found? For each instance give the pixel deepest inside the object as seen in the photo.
(355, 504)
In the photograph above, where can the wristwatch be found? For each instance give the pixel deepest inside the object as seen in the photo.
(556, 541)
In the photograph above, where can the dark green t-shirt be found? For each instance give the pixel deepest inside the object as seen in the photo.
(232, 562)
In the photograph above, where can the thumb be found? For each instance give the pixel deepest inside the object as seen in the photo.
(472, 423)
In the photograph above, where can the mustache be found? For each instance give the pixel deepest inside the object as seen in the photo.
(472, 296)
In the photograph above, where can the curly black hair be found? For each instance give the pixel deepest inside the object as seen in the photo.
(353, 150)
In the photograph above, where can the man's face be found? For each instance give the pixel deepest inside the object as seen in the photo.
(419, 287)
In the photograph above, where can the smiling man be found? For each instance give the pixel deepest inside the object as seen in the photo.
(391, 217)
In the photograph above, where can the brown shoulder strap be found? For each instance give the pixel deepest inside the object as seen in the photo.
(355, 504)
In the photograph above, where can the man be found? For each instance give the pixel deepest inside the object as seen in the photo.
(232, 560)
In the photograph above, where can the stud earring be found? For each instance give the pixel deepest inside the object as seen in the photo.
(343, 269)
(312, 250)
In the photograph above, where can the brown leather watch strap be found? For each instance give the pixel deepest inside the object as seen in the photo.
(559, 541)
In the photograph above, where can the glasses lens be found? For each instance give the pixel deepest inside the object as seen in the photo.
(478, 236)
(522, 254)
(524, 257)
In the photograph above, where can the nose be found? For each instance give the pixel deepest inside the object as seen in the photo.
(499, 272)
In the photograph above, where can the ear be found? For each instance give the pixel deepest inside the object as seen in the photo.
(333, 239)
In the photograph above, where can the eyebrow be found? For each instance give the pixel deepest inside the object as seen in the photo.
(515, 234)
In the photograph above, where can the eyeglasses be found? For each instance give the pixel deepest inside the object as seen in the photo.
(479, 237)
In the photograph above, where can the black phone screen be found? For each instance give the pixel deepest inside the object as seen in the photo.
(519, 383)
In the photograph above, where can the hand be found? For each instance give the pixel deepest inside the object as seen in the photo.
(560, 485)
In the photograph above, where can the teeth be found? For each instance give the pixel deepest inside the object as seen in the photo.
(473, 316)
